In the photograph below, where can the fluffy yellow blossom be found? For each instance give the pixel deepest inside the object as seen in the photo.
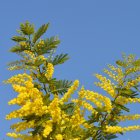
(128, 117)
(29, 54)
(132, 83)
(24, 137)
(111, 74)
(69, 92)
(106, 85)
(19, 79)
(29, 98)
(132, 70)
(118, 129)
(113, 129)
(97, 99)
(14, 135)
(23, 44)
(41, 43)
(88, 106)
(47, 130)
(55, 110)
(50, 70)
(131, 128)
(59, 137)
(124, 100)
(77, 118)
(20, 126)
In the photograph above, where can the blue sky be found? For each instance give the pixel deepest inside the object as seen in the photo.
(94, 34)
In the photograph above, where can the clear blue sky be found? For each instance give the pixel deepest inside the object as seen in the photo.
(93, 32)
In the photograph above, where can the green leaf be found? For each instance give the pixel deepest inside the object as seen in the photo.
(121, 106)
(40, 32)
(37, 130)
(61, 86)
(46, 99)
(27, 28)
(49, 44)
(60, 59)
(37, 85)
(111, 136)
(17, 49)
(126, 92)
(136, 63)
(18, 38)
(68, 108)
(121, 63)
(42, 79)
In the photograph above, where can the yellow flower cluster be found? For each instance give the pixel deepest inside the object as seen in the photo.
(20, 126)
(124, 100)
(132, 83)
(77, 118)
(111, 74)
(132, 70)
(55, 110)
(106, 85)
(47, 130)
(128, 117)
(131, 128)
(19, 79)
(14, 135)
(29, 98)
(24, 137)
(119, 75)
(23, 44)
(113, 129)
(59, 137)
(95, 98)
(50, 71)
(41, 43)
(118, 129)
(99, 97)
(30, 56)
(70, 91)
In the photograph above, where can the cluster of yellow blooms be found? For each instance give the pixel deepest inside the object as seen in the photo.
(50, 71)
(55, 110)
(48, 128)
(128, 117)
(111, 74)
(125, 100)
(95, 98)
(23, 44)
(20, 126)
(30, 99)
(118, 72)
(24, 137)
(118, 129)
(132, 70)
(132, 82)
(70, 91)
(106, 85)
(40, 43)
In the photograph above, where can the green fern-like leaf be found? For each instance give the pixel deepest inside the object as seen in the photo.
(49, 44)
(121, 63)
(121, 106)
(18, 49)
(60, 59)
(61, 86)
(111, 136)
(18, 38)
(40, 32)
(27, 28)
